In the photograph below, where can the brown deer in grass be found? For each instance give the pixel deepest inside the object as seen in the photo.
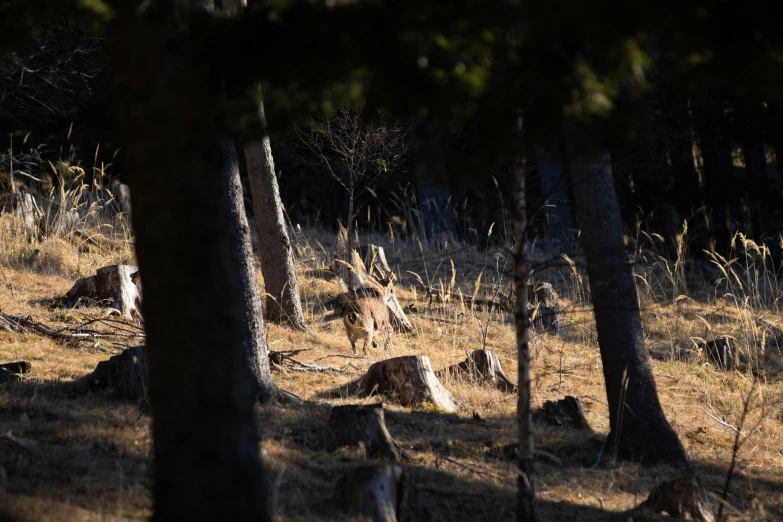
(365, 316)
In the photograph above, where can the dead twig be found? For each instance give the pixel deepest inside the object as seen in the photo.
(340, 355)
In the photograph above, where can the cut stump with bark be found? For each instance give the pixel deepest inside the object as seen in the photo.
(678, 498)
(410, 379)
(13, 371)
(373, 492)
(375, 257)
(119, 284)
(124, 376)
(482, 366)
(722, 352)
(356, 424)
(568, 411)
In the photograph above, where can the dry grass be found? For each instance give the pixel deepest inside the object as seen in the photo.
(89, 459)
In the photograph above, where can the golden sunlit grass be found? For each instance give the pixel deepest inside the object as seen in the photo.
(89, 458)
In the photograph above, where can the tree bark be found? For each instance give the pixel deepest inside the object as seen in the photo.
(525, 481)
(253, 335)
(115, 282)
(283, 303)
(554, 185)
(168, 100)
(639, 429)
(352, 424)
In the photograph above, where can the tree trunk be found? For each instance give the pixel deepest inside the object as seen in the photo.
(349, 223)
(554, 186)
(253, 335)
(639, 429)
(283, 303)
(525, 482)
(206, 458)
(432, 180)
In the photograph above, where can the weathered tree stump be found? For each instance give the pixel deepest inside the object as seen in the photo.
(124, 376)
(568, 411)
(722, 352)
(542, 293)
(25, 207)
(119, 283)
(373, 492)
(678, 498)
(375, 258)
(482, 366)
(352, 425)
(410, 379)
(13, 371)
(82, 288)
(545, 318)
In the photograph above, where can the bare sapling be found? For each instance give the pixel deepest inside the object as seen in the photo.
(356, 153)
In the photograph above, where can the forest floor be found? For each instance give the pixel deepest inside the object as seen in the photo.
(89, 458)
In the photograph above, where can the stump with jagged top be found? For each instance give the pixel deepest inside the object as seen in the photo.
(410, 379)
(358, 424)
(374, 492)
(119, 284)
(482, 366)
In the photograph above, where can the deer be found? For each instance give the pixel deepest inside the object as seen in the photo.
(364, 317)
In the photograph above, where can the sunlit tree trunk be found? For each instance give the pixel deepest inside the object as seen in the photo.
(639, 429)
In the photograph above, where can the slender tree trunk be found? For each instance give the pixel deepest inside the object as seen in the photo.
(253, 335)
(349, 224)
(554, 186)
(206, 459)
(277, 263)
(722, 192)
(525, 482)
(432, 179)
(639, 429)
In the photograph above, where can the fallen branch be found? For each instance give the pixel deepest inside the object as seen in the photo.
(27, 324)
(341, 356)
(284, 361)
(472, 469)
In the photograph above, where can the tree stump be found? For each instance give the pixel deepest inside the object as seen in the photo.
(117, 283)
(116, 279)
(374, 492)
(543, 294)
(82, 288)
(482, 366)
(409, 378)
(13, 371)
(545, 318)
(25, 207)
(399, 320)
(678, 498)
(353, 424)
(568, 411)
(375, 258)
(722, 352)
(124, 376)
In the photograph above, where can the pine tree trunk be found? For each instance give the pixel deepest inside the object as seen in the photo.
(283, 303)
(554, 185)
(253, 335)
(639, 429)
(206, 458)
(349, 223)
(525, 482)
